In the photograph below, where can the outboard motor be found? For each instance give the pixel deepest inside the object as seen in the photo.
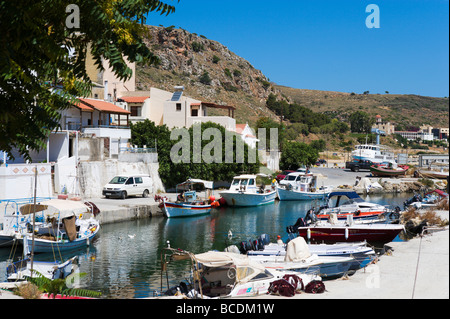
(243, 247)
(264, 239)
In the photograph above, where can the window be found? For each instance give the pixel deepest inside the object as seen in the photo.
(138, 180)
(136, 110)
(251, 182)
(118, 180)
(130, 181)
(178, 107)
(194, 112)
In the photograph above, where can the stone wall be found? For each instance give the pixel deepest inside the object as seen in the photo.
(94, 175)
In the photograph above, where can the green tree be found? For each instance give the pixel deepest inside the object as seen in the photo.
(43, 59)
(145, 133)
(268, 124)
(296, 154)
(361, 122)
(205, 78)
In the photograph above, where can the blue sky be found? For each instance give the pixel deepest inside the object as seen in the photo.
(325, 44)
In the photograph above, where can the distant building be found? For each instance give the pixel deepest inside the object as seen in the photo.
(247, 134)
(387, 127)
(413, 136)
(107, 86)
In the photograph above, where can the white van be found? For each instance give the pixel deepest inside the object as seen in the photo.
(124, 186)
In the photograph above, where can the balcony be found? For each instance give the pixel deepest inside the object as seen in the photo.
(227, 122)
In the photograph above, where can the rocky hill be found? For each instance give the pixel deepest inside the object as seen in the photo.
(209, 71)
(404, 110)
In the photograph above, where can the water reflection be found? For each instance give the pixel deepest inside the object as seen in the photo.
(124, 260)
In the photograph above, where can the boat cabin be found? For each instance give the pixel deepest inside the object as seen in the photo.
(244, 183)
(337, 199)
(190, 187)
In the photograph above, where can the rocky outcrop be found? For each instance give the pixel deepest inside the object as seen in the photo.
(208, 70)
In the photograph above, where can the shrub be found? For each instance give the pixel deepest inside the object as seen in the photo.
(197, 47)
(205, 79)
(28, 291)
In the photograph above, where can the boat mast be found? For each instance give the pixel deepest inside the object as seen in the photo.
(34, 220)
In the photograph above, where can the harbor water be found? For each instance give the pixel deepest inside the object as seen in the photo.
(124, 260)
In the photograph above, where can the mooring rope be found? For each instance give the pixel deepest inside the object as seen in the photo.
(417, 266)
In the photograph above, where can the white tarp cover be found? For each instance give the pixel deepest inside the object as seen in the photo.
(66, 208)
(297, 250)
(246, 269)
(207, 184)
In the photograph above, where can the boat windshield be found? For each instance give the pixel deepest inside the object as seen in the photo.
(290, 178)
(118, 180)
(235, 182)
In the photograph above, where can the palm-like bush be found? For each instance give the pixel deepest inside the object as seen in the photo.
(59, 286)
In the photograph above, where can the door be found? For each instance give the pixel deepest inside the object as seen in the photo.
(130, 186)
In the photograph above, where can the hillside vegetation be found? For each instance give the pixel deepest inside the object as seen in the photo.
(209, 71)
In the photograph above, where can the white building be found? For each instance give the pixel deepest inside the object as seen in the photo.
(247, 134)
(412, 136)
(173, 109)
(57, 163)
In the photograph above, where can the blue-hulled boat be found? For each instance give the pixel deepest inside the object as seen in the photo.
(187, 204)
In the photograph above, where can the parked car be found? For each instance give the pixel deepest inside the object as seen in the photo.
(320, 162)
(124, 186)
(283, 175)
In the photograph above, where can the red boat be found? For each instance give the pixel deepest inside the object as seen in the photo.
(329, 233)
(387, 171)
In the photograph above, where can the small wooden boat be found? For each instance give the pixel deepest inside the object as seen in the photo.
(188, 204)
(433, 174)
(389, 171)
(244, 192)
(67, 225)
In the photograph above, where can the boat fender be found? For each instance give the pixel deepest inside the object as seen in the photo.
(308, 233)
(346, 233)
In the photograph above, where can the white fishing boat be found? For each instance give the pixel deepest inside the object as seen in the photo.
(19, 270)
(187, 204)
(361, 253)
(245, 192)
(377, 154)
(304, 188)
(66, 225)
(299, 258)
(224, 275)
